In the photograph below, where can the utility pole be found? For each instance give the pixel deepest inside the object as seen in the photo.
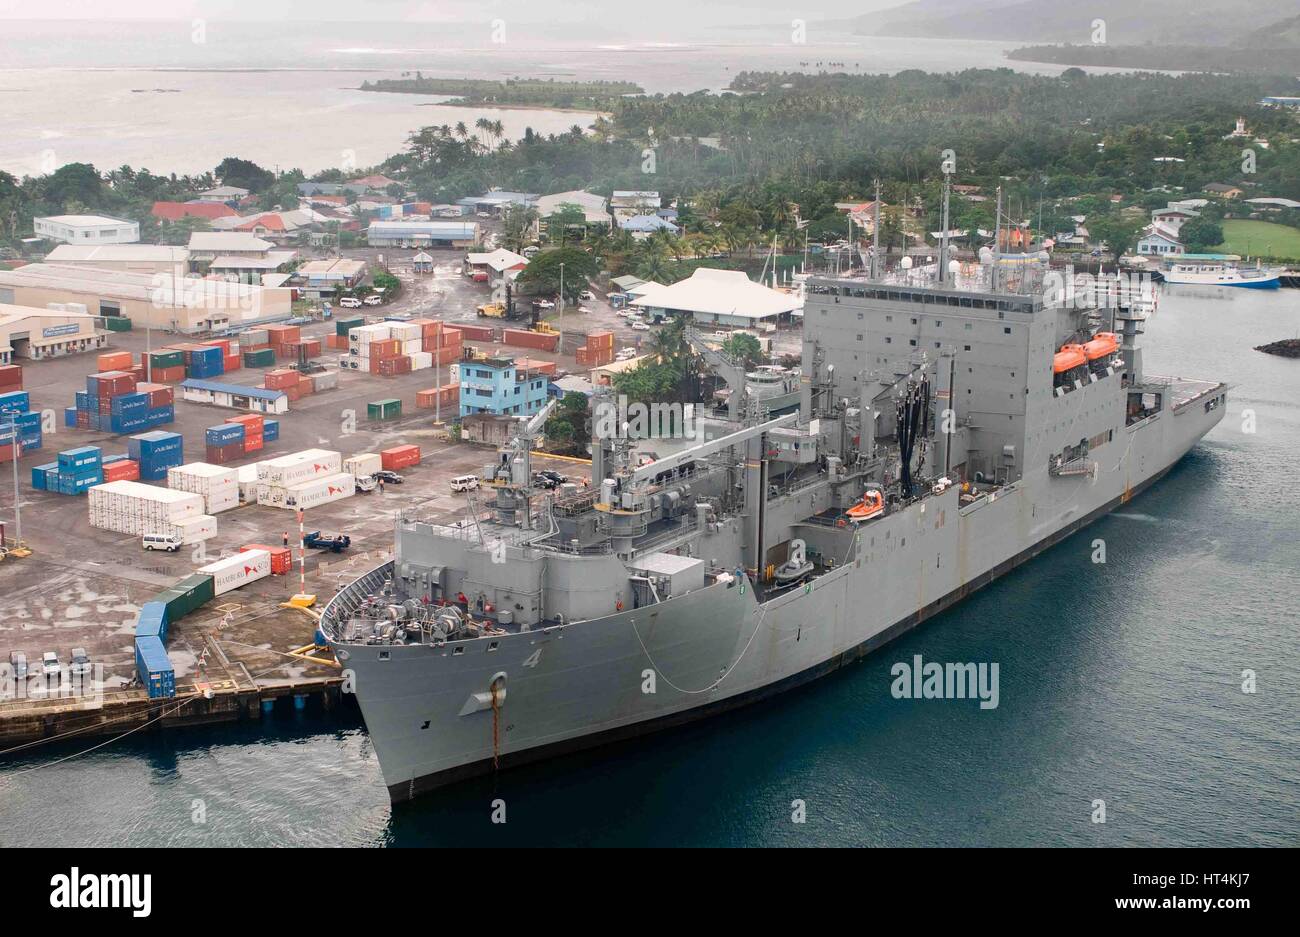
(875, 234)
(560, 344)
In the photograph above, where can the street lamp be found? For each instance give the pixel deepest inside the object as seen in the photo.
(560, 347)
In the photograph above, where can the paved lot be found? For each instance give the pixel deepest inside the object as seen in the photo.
(83, 586)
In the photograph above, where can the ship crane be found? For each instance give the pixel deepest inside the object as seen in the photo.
(722, 365)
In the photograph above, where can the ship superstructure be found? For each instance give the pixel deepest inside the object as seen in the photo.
(951, 424)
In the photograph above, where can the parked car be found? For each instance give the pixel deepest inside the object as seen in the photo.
(50, 664)
(387, 477)
(543, 304)
(374, 299)
(80, 662)
(464, 483)
(587, 296)
(169, 542)
(18, 661)
(640, 327)
(350, 302)
(542, 481)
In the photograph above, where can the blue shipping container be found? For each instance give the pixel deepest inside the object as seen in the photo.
(82, 457)
(70, 417)
(270, 430)
(148, 444)
(16, 401)
(152, 621)
(154, 668)
(82, 401)
(38, 474)
(225, 433)
(129, 403)
(78, 484)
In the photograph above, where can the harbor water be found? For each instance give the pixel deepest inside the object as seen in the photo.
(1120, 682)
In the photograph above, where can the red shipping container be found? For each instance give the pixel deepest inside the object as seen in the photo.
(127, 470)
(399, 457)
(282, 378)
(160, 395)
(280, 334)
(114, 361)
(253, 422)
(281, 557)
(231, 363)
(222, 343)
(114, 383)
(294, 392)
(11, 377)
(385, 348)
(526, 338)
(391, 367)
(477, 333)
(535, 365)
(222, 455)
(252, 444)
(7, 452)
(169, 375)
(83, 419)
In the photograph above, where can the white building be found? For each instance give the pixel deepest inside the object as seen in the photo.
(86, 229)
(133, 258)
(719, 297)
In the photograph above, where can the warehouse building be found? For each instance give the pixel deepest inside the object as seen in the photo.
(30, 333)
(86, 229)
(133, 258)
(422, 233)
(187, 304)
(321, 279)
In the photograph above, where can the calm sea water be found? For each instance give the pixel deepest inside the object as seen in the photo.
(176, 97)
(1119, 682)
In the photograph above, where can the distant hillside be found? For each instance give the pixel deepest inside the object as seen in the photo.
(1128, 22)
(1253, 60)
(1284, 34)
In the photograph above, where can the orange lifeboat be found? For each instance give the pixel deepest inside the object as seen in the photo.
(871, 505)
(1068, 358)
(1102, 344)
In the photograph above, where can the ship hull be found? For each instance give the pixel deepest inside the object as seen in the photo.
(604, 680)
(408, 790)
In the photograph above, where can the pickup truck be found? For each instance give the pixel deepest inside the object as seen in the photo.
(335, 543)
(366, 483)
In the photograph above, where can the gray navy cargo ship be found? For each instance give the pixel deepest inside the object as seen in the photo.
(952, 423)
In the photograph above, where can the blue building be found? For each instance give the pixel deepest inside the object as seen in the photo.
(495, 386)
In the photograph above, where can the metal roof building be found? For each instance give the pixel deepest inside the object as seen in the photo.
(422, 233)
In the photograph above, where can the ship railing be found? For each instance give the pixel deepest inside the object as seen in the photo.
(335, 619)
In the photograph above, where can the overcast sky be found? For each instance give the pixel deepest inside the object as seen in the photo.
(624, 13)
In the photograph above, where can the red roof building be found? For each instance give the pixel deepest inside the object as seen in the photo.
(175, 211)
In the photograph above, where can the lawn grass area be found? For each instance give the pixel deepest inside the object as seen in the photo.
(1260, 238)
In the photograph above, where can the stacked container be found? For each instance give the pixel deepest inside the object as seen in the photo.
(18, 422)
(598, 350)
(270, 430)
(259, 358)
(156, 452)
(276, 477)
(167, 366)
(280, 336)
(526, 338)
(253, 426)
(132, 508)
(219, 487)
(246, 478)
(152, 621)
(239, 570)
(186, 596)
(115, 361)
(225, 443)
(76, 472)
(320, 491)
(116, 401)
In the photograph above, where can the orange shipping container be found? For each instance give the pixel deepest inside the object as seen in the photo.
(282, 378)
(400, 457)
(125, 470)
(115, 361)
(281, 557)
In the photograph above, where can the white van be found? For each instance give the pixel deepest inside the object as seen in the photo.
(464, 483)
(350, 302)
(169, 542)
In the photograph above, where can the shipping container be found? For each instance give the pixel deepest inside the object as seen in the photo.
(15, 401)
(218, 486)
(129, 507)
(224, 433)
(320, 491)
(152, 621)
(400, 457)
(239, 570)
(296, 468)
(83, 457)
(197, 529)
(270, 430)
(389, 409)
(260, 358)
(363, 464)
(186, 596)
(154, 668)
(281, 557)
(124, 470)
(11, 377)
(39, 473)
(156, 452)
(224, 455)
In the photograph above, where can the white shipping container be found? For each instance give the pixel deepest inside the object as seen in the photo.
(197, 529)
(246, 475)
(412, 347)
(453, 373)
(321, 491)
(238, 570)
(271, 495)
(218, 485)
(222, 501)
(363, 464)
(421, 360)
(405, 331)
(132, 508)
(299, 467)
